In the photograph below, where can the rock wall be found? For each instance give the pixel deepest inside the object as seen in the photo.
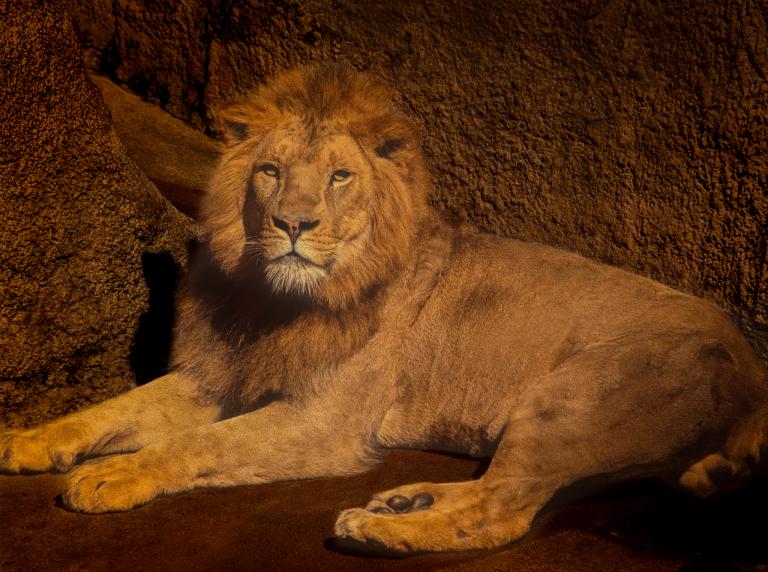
(634, 132)
(88, 248)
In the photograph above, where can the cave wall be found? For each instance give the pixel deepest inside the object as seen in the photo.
(88, 248)
(634, 132)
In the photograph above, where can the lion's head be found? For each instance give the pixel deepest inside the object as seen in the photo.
(322, 186)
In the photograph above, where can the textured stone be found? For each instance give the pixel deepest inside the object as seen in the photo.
(633, 132)
(84, 234)
(177, 158)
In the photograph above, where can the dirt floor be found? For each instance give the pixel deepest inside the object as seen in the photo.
(288, 526)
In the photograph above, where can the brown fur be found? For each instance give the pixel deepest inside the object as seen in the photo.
(379, 325)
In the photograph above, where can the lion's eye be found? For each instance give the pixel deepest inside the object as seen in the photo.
(269, 170)
(340, 176)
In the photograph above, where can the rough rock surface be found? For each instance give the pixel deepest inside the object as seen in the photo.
(175, 156)
(84, 233)
(633, 132)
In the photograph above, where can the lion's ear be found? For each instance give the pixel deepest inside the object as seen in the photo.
(232, 122)
(389, 147)
(391, 136)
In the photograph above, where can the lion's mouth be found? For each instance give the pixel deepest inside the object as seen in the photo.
(292, 272)
(294, 257)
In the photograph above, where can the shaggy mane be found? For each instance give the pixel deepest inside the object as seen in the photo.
(322, 97)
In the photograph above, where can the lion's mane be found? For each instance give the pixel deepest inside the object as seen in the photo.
(360, 106)
(244, 341)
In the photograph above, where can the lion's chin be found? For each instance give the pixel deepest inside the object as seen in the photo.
(294, 275)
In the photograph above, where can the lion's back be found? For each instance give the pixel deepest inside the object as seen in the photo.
(520, 282)
(506, 308)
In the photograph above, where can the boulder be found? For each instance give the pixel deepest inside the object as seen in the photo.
(175, 156)
(89, 250)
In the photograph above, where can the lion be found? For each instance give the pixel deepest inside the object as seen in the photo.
(332, 313)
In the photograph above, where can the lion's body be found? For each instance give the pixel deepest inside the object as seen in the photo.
(506, 315)
(331, 313)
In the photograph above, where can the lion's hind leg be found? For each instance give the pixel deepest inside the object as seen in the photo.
(448, 516)
(745, 450)
(617, 410)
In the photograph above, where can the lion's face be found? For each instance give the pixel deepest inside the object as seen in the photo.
(311, 207)
(321, 188)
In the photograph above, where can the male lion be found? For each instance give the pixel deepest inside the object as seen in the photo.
(332, 313)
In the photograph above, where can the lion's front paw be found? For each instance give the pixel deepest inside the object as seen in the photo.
(32, 451)
(114, 484)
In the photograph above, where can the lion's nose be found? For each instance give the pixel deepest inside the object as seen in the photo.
(294, 225)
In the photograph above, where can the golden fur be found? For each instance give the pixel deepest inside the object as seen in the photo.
(331, 313)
